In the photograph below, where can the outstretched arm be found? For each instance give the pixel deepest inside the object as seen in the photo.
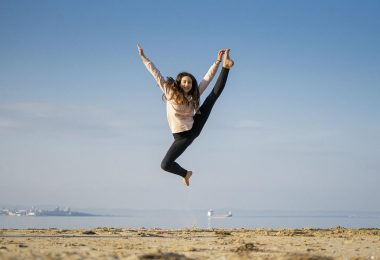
(210, 73)
(152, 69)
(141, 53)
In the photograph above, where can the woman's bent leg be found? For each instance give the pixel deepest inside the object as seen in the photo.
(176, 149)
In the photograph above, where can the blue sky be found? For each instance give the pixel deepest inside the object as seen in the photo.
(82, 123)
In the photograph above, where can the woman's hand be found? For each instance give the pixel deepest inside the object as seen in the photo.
(140, 50)
(220, 55)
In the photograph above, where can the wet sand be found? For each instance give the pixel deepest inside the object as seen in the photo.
(129, 243)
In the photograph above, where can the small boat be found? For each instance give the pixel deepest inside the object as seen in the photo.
(211, 214)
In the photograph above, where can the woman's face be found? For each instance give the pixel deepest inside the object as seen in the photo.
(186, 83)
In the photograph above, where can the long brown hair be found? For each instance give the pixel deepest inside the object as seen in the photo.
(178, 94)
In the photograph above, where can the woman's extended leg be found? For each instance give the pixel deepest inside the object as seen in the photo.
(201, 119)
(205, 109)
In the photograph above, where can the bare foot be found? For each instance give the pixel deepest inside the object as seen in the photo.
(186, 180)
(227, 62)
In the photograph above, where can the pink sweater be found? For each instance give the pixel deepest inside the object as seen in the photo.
(180, 117)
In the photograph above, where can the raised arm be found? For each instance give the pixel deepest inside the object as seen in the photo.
(152, 69)
(210, 73)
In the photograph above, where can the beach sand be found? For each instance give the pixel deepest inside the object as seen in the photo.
(192, 243)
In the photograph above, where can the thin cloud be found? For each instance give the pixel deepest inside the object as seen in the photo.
(248, 124)
(6, 123)
(62, 118)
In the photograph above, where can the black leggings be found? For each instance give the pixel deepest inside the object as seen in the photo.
(183, 139)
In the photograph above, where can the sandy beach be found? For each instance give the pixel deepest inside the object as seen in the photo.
(128, 243)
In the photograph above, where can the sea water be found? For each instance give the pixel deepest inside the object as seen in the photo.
(199, 219)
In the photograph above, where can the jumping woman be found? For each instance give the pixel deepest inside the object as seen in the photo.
(185, 115)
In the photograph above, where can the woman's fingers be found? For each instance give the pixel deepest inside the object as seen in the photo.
(220, 54)
(140, 49)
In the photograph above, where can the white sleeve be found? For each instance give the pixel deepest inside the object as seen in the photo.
(208, 77)
(156, 75)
